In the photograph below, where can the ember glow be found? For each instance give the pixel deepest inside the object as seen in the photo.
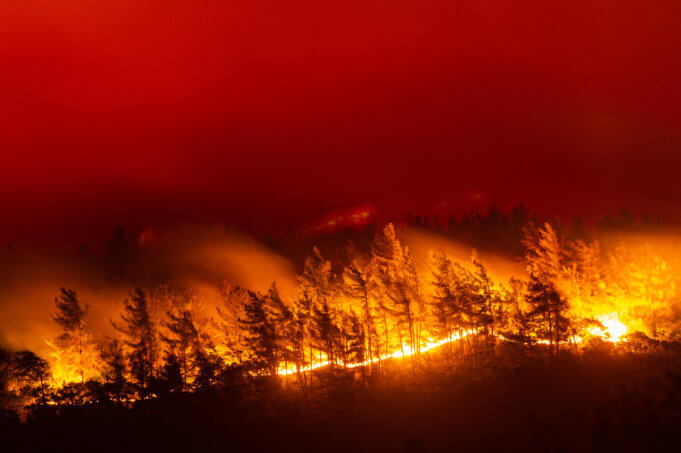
(613, 330)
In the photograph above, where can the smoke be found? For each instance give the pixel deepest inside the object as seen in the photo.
(201, 259)
(205, 258)
(499, 266)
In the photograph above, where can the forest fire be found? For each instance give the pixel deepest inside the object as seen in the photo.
(388, 307)
(383, 305)
(352, 226)
(613, 330)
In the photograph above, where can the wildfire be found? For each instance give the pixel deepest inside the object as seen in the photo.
(398, 354)
(613, 329)
(382, 305)
(613, 332)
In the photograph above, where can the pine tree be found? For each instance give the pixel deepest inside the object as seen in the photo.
(545, 264)
(282, 319)
(315, 286)
(113, 357)
(355, 332)
(114, 360)
(443, 305)
(76, 355)
(139, 337)
(183, 341)
(233, 300)
(518, 324)
(399, 288)
(170, 375)
(259, 335)
(208, 367)
(464, 314)
(357, 286)
(30, 370)
(550, 309)
(483, 306)
(325, 334)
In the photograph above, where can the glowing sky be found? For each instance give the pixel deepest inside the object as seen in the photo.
(263, 113)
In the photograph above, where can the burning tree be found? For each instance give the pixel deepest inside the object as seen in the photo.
(380, 307)
(444, 310)
(140, 342)
(545, 258)
(30, 371)
(232, 303)
(76, 357)
(398, 285)
(285, 328)
(188, 342)
(357, 287)
(316, 286)
(325, 335)
(114, 368)
(260, 335)
(647, 283)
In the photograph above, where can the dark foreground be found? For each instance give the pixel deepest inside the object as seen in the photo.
(591, 402)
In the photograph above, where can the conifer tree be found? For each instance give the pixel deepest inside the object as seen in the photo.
(171, 376)
(355, 332)
(139, 337)
(233, 300)
(30, 370)
(115, 369)
(76, 355)
(183, 341)
(549, 307)
(325, 334)
(398, 285)
(114, 361)
(315, 286)
(283, 322)
(545, 264)
(444, 307)
(518, 325)
(464, 313)
(483, 305)
(260, 335)
(357, 286)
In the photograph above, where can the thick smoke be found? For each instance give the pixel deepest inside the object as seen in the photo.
(500, 267)
(201, 259)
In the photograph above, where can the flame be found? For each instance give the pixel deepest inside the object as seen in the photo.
(613, 332)
(398, 354)
(613, 329)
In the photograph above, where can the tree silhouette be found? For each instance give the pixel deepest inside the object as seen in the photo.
(445, 310)
(30, 369)
(357, 286)
(325, 334)
(545, 258)
(260, 334)
(171, 376)
(139, 339)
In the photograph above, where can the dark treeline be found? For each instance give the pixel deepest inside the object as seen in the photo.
(493, 230)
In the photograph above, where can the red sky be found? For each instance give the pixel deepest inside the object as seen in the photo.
(263, 113)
